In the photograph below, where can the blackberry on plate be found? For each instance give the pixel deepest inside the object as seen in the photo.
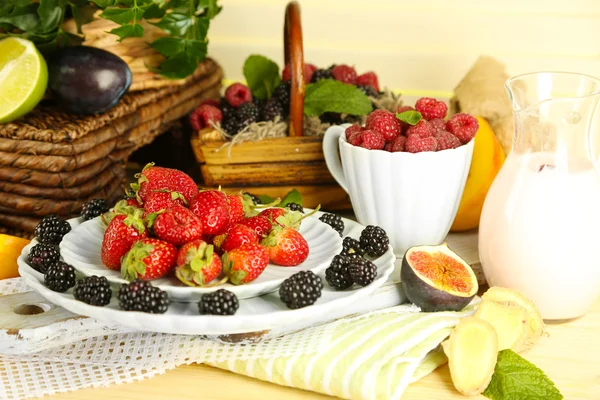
(337, 274)
(221, 302)
(352, 246)
(295, 207)
(94, 208)
(368, 90)
(52, 229)
(281, 95)
(335, 221)
(141, 296)
(93, 290)
(42, 255)
(270, 111)
(255, 199)
(374, 241)
(59, 277)
(321, 74)
(362, 271)
(300, 290)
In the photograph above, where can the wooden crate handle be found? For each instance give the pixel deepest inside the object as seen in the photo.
(294, 54)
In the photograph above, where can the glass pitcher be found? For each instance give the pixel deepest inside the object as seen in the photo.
(540, 226)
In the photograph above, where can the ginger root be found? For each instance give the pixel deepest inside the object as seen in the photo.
(508, 320)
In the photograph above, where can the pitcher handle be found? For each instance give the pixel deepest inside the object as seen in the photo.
(331, 151)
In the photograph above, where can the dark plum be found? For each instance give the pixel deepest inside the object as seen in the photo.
(87, 80)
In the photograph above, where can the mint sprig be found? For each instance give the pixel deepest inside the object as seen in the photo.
(328, 95)
(410, 117)
(262, 76)
(516, 378)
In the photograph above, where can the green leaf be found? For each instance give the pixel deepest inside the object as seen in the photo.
(154, 11)
(328, 95)
(168, 46)
(516, 378)
(262, 75)
(264, 199)
(175, 24)
(177, 67)
(293, 196)
(82, 15)
(51, 13)
(411, 117)
(209, 8)
(129, 30)
(119, 15)
(102, 4)
(24, 18)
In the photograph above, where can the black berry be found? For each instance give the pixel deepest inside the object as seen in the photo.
(271, 110)
(227, 109)
(374, 241)
(337, 274)
(321, 74)
(93, 290)
(230, 125)
(59, 277)
(221, 302)
(332, 118)
(281, 95)
(295, 207)
(255, 199)
(42, 255)
(52, 229)
(94, 208)
(142, 296)
(247, 113)
(362, 271)
(335, 221)
(300, 290)
(368, 90)
(352, 246)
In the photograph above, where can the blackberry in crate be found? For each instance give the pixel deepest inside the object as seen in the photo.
(94, 208)
(52, 229)
(142, 296)
(230, 125)
(301, 290)
(352, 246)
(374, 241)
(362, 271)
(331, 118)
(368, 90)
(295, 207)
(335, 221)
(42, 255)
(337, 274)
(221, 302)
(321, 74)
(226, 108)
(281, 95)
(271, 110)
(59, 277)
(93, 290)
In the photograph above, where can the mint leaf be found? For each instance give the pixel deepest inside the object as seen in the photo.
(328, 95)
(51, 14)
(516, 378)
(411, 117)
(118, 15)
(265, 199)
(129, 30)
(293, 196)
(262, 75)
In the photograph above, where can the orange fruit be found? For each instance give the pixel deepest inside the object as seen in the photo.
(10, 250)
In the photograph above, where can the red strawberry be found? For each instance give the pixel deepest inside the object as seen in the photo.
(162, 200)
(259, 223)
(158, 178)
(178, 225)
(133, 202)
(240, 205)
(368, 78)
(148, 259)
(213, 209)
(122, 232)
(272, 213)
(286, 247)
(246, 263)
(238, 236)
(197, 264)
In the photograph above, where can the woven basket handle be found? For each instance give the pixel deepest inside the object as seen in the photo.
(294, 54)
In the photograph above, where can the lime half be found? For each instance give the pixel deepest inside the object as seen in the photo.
(23, 78)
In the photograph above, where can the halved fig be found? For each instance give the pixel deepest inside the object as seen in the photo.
(436, 279)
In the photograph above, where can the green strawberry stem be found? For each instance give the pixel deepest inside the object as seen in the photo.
(132, 264)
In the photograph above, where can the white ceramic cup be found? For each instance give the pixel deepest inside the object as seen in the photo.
(413, 197)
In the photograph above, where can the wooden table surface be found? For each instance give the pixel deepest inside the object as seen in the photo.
(569, 354)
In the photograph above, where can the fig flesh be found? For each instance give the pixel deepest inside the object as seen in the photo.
(435, 278)
(87, 80)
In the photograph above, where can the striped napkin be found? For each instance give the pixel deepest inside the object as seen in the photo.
(374, 356)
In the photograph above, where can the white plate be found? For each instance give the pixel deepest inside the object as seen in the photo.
(257, 314)
(81, 249)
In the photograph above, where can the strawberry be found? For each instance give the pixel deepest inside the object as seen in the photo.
(122, 232)
(286, 247)
(246, 263)
(162, 200)
(259, 223)
(133, 202)
(213, 209)
(239, 235)
(272, 213)
(154, 178)
(197, 264)
(240, 206)
(177, 225)
(148, 259)
(286, 217)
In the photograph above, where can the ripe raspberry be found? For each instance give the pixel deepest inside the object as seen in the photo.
(423, 129)
(344, 73)
(431, 108)
(237, 94)
(372, 140)
(416, 144)
(309, 70)
(398, 144)
(351, 130)
(446, 140)
(402, 109)
(385, 123)
(355, 139)
(438, 124)
(463, 126)
(203, 115)
(368, 78)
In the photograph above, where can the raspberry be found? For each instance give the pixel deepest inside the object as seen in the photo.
(431, 108)
(463, 126)
(438, 124)
(372, 140)
(398, 144)
(416, 144)
(368, 78)
(402, 109)
(203, 115)
(352, 129)
(355, 139)
(446, 140)
(423, 129)
(237, 94)
(385, 123)
(344, 73)
(309, 70)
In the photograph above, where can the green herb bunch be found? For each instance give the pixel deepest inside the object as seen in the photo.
(186, 23)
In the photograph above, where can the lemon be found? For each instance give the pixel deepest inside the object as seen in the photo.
(23, 78)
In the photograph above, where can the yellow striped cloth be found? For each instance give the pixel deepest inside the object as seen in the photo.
(374, 356)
